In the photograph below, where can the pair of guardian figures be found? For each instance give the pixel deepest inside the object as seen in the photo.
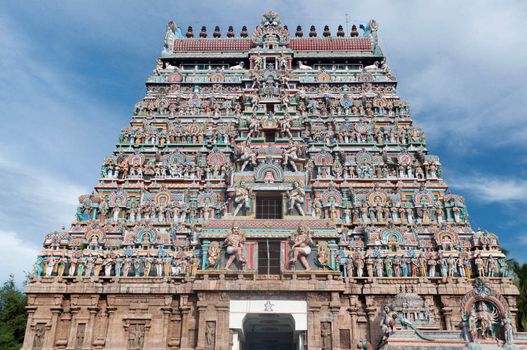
(297, 198)
(300, 242)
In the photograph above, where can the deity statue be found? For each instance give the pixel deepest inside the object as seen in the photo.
(38, 267)
(127, 266)
(359, 264)
(285, 125)
(258, 62)
(290, 156)
(379, 267)
(80, 268)
(242, 197)
(486, 320)
(234, 246)
(108, 264)
(97, 266)
(325, 335)
(247, 156)
(480, 266)
(213, 254)
(507, 330)
(432, 263)
(297, 197)
(50, 266)
(369, 266)
(492, 266)
(173, 32)
(388, 322)
(210, 335)
(148, 266)
(118, 266)
(38, 339)
(301, 244)
(316, 206)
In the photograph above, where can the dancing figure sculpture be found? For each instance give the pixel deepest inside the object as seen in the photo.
(234, 243)
(301, 244)
(297, 197)
(241, 198)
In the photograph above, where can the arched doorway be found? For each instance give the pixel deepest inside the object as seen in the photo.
(268, 324)
(266, 331)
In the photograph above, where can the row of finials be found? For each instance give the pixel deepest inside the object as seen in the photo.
(299, 33)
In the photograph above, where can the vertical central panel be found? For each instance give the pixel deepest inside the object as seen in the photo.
(269, 257)
(269, 205)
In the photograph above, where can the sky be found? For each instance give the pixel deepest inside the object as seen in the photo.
(71, 71)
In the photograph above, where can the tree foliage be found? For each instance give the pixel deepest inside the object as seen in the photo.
(520, 279)
(13, 316)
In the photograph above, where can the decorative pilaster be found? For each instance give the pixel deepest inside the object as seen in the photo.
(52, 333)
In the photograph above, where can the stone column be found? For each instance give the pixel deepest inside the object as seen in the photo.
(370, 312)
(28, 337)
(49, 342)
(447, 313)
(175, 334)
(111, 315)
(88, 340)
(73, 328)
(353, 310)
(185, 314)
(167, 311)
(313, 327)
(334, 306)
(202, 308)
(222, 326)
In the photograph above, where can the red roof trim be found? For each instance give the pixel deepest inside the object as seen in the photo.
(296, 44)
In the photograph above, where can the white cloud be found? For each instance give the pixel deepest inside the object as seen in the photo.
(48, 119)
(34, 203)
(18, 256)
(34, 193)
(493, 189)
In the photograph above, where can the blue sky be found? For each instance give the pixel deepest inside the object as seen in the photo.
(71, 71)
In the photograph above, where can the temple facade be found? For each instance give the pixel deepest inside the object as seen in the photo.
(271, 192)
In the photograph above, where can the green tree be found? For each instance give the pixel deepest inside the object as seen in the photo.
(520, 279)
(13, 316)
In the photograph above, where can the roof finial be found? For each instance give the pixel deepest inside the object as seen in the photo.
(244, 33)
(312, 32)
(203, 33)
(217, 32)
(230, 32)
(326, 32)
(354, 31)
(340, 31)
(299, 33)
(190, 33)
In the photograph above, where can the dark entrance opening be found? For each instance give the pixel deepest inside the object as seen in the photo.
(268, 257)
(269, 205)
(270, 136)
(269, 331)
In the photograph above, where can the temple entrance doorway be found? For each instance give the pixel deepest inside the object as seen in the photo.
(267, 331)
(268, 324)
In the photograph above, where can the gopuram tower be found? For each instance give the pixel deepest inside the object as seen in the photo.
(271, 192)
